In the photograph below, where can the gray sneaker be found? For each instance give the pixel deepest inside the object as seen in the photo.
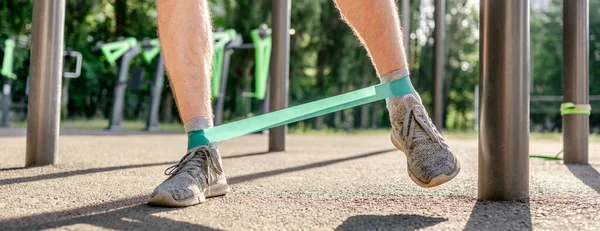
(430, 161)
(197, 176)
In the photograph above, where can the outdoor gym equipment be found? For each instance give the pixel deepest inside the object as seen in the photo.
(224, 41)
(7, 73)
(261, 43)
(151, 50)
(125, 50)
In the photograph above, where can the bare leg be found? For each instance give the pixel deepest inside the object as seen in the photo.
(377, 25)
(186, 38)
(185, 32)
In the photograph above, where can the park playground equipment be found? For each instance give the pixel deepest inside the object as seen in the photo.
(225, 42)
(126, 50)
(504, 104)
(8, 50)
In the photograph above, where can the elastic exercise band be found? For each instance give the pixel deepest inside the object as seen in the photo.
(575, 109)
(301, 112)
(568, 108)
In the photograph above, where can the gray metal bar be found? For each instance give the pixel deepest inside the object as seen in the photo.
(576, 79)
(504, 100)
(438, 65)
(280, 57)
(6, 101)
(120, 88)
(476, 107)
(156, 94)
(219, 107)
(406, 26)
(46, 74)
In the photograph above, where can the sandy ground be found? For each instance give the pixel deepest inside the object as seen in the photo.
(322, 182)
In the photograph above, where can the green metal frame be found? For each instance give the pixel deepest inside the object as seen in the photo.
(113, 51)
(150, 54)
(8, 60)
(221, 40)
(262, 56)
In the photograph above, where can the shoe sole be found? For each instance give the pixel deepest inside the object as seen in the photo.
(437, 180)
(166, 199)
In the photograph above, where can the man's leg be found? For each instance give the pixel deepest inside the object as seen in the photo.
(185, 34)
(377, 25)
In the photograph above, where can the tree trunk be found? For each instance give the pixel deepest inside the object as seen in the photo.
(120, 17)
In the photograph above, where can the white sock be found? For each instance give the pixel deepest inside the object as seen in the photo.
(198, 123)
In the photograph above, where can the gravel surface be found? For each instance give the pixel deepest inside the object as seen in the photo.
(322, 182)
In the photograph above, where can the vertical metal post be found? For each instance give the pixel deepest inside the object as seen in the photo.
(476, 108)
(438, 64)
(280, 57)
(576, 78)
(156, 94)
(220, 105)
(120, 88)
(406, 26)
(46, 73)
(6, 101)
(504, 100)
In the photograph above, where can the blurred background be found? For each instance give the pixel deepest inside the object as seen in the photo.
(326, 60)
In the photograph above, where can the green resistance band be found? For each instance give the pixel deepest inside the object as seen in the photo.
(569, 108)
(266, 121)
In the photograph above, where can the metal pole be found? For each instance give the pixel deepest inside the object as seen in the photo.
(6, 102)
(438, 78)
(504, 100)
(220, 105)
(157, 87)
(406, 26)
(120, 88)
(576, 78)
(45, 85)
(280, 57)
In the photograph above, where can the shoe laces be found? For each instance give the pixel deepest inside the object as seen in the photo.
(416, 126)
(195, 159)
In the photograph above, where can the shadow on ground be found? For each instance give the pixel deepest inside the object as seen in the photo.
(126, 214)
(249, 177)
(73, 173)
(587, 174)
(493, 215)
(390, 222)
(133, 213)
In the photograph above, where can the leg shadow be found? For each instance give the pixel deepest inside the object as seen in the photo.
(126, 214)
(500, 215)
(587, 174)
(390, 222)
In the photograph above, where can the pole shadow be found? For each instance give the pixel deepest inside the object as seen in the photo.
(75, 173)
(500, 215)
(587, 174)
(126, 214)
(390, 222)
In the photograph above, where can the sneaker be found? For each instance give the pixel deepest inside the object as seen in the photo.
(430, 161)
(197, 176)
